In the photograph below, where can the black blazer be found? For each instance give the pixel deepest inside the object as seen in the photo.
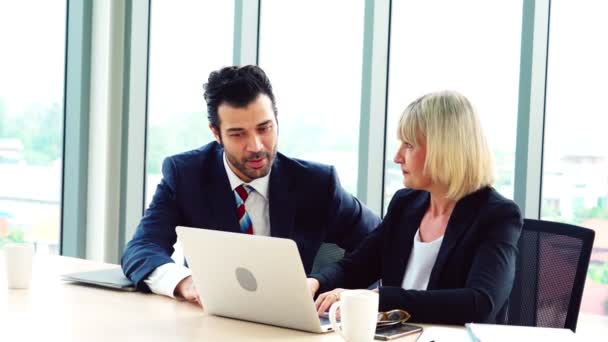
(306, 204)
(474, 270)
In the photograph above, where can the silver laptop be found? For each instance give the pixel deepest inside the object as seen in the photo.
(254, 278)
(111, 278)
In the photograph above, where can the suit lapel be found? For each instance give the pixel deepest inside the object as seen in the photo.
(465, 211)
(220, 196)
(410, 221)
(281, 206)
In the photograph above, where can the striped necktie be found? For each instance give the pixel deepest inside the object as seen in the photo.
(240, 194)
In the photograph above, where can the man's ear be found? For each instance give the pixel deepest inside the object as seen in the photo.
(216, 134)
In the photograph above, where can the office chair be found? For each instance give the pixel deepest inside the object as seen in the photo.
(550, 274)
(327, 254)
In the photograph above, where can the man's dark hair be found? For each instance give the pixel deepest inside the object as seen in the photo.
(237, 87)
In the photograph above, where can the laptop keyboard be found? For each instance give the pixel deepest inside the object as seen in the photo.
(325, 319)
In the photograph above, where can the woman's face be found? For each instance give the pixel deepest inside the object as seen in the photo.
(411, 159)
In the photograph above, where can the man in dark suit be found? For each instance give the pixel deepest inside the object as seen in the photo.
(240, 183)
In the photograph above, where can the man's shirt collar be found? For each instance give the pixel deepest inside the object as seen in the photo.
(259, 184)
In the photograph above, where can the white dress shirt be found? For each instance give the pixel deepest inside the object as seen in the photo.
(421, 262)
(256, 204)
(165, 278)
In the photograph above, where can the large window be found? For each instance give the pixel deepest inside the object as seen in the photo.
(188, 40)
(312, 52)
(31, 121)
(470, 46)
(575, 166)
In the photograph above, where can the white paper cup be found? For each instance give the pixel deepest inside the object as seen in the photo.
(19, 258)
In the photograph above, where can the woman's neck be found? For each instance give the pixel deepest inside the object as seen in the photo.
(440, 205)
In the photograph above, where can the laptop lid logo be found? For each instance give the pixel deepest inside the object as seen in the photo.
(246, 279)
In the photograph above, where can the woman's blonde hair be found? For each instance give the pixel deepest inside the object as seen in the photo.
(457, 152)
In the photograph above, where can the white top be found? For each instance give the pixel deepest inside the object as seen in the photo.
(165, 278)
(421, 262)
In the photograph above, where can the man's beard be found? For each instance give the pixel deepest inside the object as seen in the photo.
(251, 173)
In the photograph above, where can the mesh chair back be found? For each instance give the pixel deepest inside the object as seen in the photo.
(550, 274)
(327, 254)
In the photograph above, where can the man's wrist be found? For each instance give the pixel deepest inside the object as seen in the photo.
(165, 278)
(178, 292)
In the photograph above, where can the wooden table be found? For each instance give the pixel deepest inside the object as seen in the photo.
(54, 310)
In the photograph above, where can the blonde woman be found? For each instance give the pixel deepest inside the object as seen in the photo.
(446, 249)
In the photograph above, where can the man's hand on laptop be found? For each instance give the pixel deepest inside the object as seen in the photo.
(326, 299)
(185, 289)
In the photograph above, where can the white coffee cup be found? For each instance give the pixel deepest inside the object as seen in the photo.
(19, 258)
(359, 315)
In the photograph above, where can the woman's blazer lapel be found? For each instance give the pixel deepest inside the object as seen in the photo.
(461, 220)
(398, 248)
(400, 243)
